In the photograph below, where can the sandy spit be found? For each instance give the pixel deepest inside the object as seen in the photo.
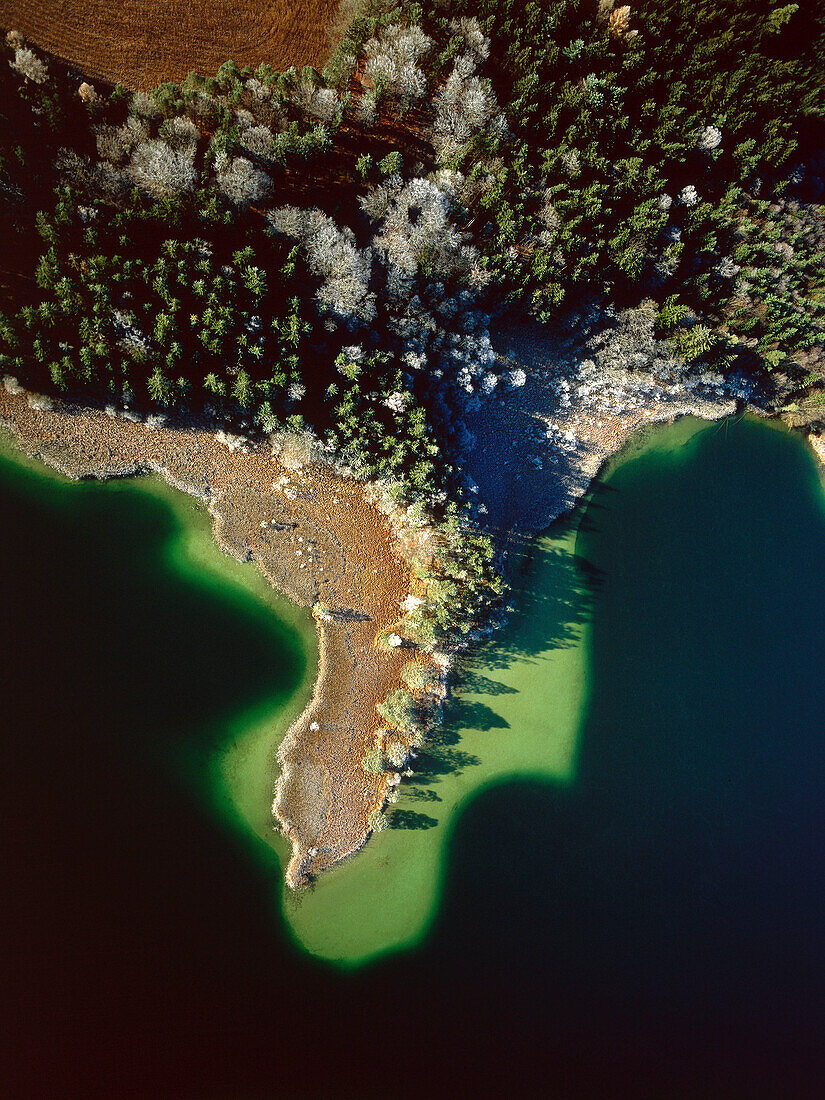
(315, 538)
(817, 441)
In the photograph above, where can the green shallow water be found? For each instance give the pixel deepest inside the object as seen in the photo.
(608, 865)
(521, 702)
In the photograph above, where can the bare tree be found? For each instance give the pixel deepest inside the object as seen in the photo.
(242, 183)
(162, 171)
(28, 64)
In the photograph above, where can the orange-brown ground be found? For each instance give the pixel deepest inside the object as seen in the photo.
(327, 544)
(817, 441)
(141, 43)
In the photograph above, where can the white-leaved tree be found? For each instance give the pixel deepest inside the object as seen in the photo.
(242, 183)
(393, 62)
(332, 254)
(162, 171)
(180, 134)
(475, 40)
(321, 103)
(28, 64)
(258, 141)
(115, 143)
(464, 107)
(416, 227)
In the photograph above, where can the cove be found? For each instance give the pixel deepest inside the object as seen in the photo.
(129, 636)
(699, 530)
(629, 891)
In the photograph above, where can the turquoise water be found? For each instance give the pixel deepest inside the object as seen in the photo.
(631, 898)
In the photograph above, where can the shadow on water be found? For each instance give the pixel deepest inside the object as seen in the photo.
(665, 913)
(412, 819)
(476, 683)
(654, 929)
(549, 615)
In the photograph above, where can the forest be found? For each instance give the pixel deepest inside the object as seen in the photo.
(325, 252)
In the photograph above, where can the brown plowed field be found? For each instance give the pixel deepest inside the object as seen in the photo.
(141, 43)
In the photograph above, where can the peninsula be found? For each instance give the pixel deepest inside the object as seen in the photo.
(388, 315)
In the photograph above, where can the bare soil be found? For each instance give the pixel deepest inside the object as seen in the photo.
(141, 43)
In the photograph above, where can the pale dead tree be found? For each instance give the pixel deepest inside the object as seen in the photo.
(417, 223)
(162, 171)
(628, 344)
(332, 254)
(377, 200)
(475, 40)
(180, 134)
(464, 106)
(708, 139)
(258, 91)
(28, 64)
(242, 183)
(88, 177)
(321, 103)
(244, 118)
(366, 108)
(144, 105)
(289, 220)
(115, 143)
(15, 40)
(258, 140)
(393, 62)
(266, 108)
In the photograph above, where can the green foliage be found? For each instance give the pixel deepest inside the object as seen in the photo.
(373, 762)
(390, 165)
(363, 165)
(398, 710)
(605, 125)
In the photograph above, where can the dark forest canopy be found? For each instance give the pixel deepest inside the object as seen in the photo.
(326, 251)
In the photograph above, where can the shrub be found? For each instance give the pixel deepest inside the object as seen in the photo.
(28, 64)
(378, 821)
(398, 710)
(390, 165)
(373, 762)
(419, 677)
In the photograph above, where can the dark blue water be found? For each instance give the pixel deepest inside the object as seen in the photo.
(656, 928)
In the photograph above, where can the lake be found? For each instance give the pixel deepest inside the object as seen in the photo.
(606, 875)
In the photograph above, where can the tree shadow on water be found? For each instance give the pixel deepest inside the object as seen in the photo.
(665, 911)
(553, 597)
(476, 683)
(438, 760)
(476, 716)
(411, 819)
